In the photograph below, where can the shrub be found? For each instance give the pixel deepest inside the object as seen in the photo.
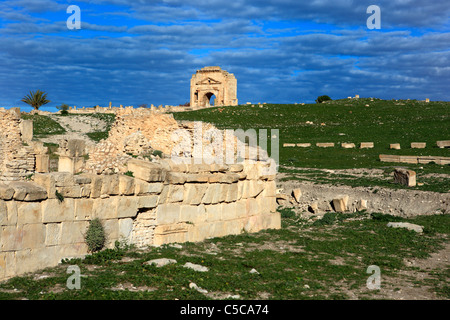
(95, 236)
(64, 109)
(321, 99)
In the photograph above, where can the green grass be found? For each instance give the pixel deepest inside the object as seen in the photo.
(109, 118)
(44, 126)
(383, 123)
(289, 260)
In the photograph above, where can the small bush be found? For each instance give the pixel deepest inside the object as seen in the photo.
(129, 173)
(59, 196)
(328, 219)
(321, 99)
(64, 109)
(95, 236)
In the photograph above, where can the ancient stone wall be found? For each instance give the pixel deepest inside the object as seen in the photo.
(164, 202)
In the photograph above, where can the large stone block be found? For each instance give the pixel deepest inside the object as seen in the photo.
(194, 192)
(143, 187)
(73, 191)
(193, 214)
(418, 145)
(147, 202)
(229, 211)
(26, 130)
(46, 180)
(168, 213)
(33, 236)
(340, 203)
(405, 177)
(83, 209)
(53, 234)
(73, 231)
(125, 229)
(127, 207)
(62, 179)
(213, 212)
(29, 212)
(96, 185)
(147, 171)
(443, 144)
(126, 185)
(54, 210)
(212, 194)
(232, 193)
(6, 192)
(42, 163)
(3, 213)
(110, 185)
(252, 188)
(28, 191)
(111, 227)
(175, 178)
(105, 208)
(11, 238)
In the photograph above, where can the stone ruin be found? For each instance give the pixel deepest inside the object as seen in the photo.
(210, 81)
(141, 199)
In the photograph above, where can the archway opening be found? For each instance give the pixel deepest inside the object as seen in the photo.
(210, 99)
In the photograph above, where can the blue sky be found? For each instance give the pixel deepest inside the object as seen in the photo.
(145, 51)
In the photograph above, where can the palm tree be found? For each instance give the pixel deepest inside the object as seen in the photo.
(36, 99)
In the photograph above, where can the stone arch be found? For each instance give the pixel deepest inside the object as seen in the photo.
(211, 81)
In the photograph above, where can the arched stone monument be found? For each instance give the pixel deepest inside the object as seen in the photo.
(213, 81)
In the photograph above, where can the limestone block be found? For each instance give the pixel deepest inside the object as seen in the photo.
(389, 158)
(297, 193)
(168, 213)
(348, 145)
(197, 177)
(362, 205)
(325, 144)
(288, 145)
(194, 192)
(110, 185)
(62, 179)
(171, 233)
(193, 214)
(340, 203)
(66, 164)
(73, 231)
(53, 234)
(29, 260)
(125, 229)
(213, 212)
(7, 265)
(394, 146)
(303, 145)
(127, 207)
(252, 188)
(105, 208)
(223, 192)
(175, 178)
(232, 193)
(236, 167)
(28, 191)
(212, 194)
(33, 236)
(3, 213)
(85, 190)
(443, 144)
(223, 178)
(42, 163)
(82, 179)
(418, 145)
(366, 145)
(73, 191)
(55, 211)
(406, 225)
(11, 208)
(96, 185)
(111, 227)
(11, 238)
(147, 202)
(253, 207)
(29, 212)
(409, 159)
(229, 211)
(147, 171)
(175, 193)
(6, 192)
(405, 177)
(143, 187)
(83, 209)
(26, 130)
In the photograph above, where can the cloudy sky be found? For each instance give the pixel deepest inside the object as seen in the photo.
(281, 51)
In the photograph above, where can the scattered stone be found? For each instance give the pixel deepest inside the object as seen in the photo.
(395, 146)
(253, 271)
(443, 144)
(303, 145)
(176, 246)
(160, 262)
(297, 193)
(196, 267)
(340, 204)
(288, 144)
(418, 145)
(407, 225)
(348, 145)
(197, 288)
(325, 144)
(314, 207)
(366, 145)
(405, 177)
(362, 205)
